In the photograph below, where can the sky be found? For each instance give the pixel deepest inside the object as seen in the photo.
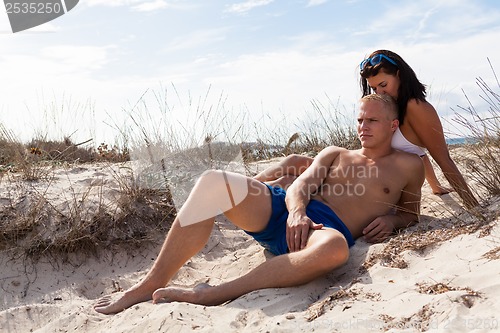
(85, 73)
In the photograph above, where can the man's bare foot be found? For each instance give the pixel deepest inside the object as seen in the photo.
(197, 295)
(118, 302)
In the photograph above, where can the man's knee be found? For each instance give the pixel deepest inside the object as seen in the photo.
(333, 250)
(229, 185)
(210, 175)
(212, 181)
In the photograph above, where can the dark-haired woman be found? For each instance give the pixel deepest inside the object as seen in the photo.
(385, 72)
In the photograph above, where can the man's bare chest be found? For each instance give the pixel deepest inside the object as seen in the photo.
(363, 179)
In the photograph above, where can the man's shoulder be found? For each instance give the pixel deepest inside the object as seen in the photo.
(408, 161)
(331, 153)
(407, 157)
(334, 150)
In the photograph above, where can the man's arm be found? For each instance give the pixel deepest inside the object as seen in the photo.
(298, 196)
(408, 207)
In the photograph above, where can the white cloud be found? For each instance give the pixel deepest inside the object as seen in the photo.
(286, 80)
(150, 6)
(428, 20)
(55, 70)
(142, 5)
(112, 3)
(77, 58)
(312, 3)
(248, 5)
(196, 39)
(310, 39)
(139, 5)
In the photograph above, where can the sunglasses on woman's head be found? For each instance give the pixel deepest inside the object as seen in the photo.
(375, 60)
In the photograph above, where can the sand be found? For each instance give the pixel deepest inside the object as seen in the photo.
(442, 275)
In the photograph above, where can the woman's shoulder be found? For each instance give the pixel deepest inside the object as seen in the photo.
(417, 104)
(425, 124)
(417, 108)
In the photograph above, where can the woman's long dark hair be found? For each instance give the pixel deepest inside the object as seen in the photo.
(409, 87)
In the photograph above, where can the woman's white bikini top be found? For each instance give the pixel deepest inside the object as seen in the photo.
(399, 142)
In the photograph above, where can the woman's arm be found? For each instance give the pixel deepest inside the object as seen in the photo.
(424, 120)
(432, 179)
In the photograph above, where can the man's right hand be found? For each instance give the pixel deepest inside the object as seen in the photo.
(297, 231)
(379, 229)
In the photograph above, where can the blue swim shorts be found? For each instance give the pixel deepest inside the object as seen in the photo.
(273, 238)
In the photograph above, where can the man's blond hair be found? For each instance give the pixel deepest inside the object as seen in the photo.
(388, 102)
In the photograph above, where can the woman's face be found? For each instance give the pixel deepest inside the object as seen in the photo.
(384, 83)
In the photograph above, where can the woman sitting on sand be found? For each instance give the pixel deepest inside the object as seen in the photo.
(385, 72)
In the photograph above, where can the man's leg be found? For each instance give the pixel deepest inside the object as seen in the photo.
(327, 249)
(245, 201)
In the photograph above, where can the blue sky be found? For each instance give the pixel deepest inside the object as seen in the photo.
(264, 56)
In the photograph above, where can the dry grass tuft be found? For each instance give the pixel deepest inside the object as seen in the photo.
(10, 149)
(434, 289)
(493, 254)
(113, 154)
(483, 129)
(418, 240)
(63, 151)
(35, 227)
(468, 299)
(36, 159)
(441, 288)
(419, 322)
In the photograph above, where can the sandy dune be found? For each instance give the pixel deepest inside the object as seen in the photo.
(442, 275)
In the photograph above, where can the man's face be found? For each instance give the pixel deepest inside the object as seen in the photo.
(375, 124)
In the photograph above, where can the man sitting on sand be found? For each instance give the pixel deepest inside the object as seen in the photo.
(343, 195)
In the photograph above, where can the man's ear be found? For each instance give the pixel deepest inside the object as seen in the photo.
(394, 124)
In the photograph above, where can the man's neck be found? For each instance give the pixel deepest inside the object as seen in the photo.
(374, 153)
